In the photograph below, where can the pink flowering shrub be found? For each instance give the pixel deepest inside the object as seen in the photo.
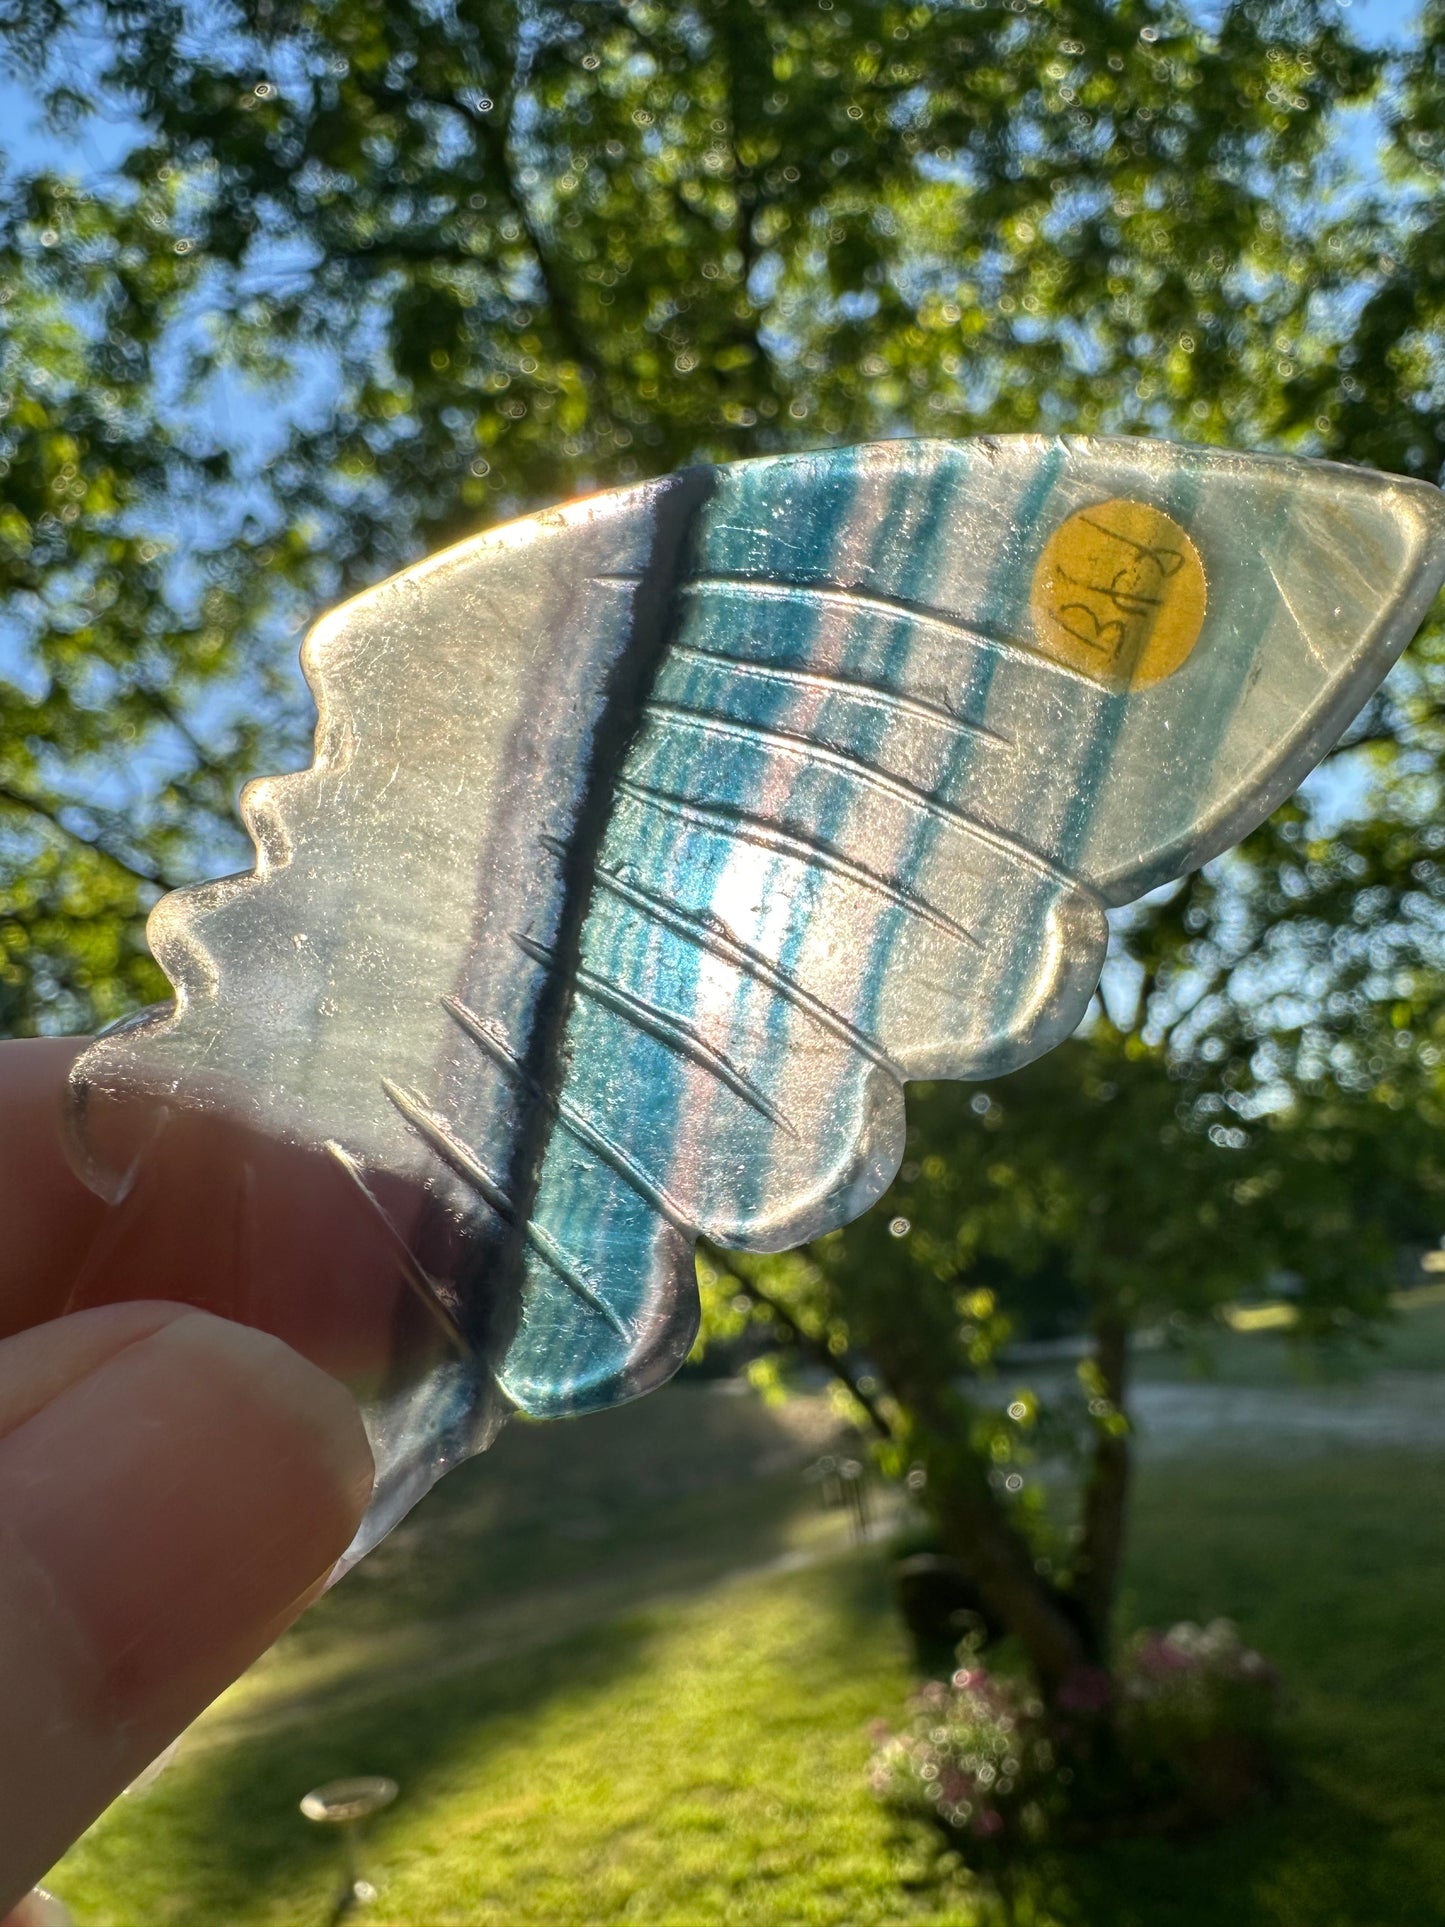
(975, 1759)
(1180, 1735)
(1196, 1721)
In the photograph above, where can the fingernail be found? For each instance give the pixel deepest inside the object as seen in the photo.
(40, 1909)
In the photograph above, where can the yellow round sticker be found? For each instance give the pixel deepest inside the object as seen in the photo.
(1119, 594)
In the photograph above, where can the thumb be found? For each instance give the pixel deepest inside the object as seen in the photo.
(172, 1486)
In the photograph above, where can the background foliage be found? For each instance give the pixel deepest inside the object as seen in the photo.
(356, 278)
(360, 275)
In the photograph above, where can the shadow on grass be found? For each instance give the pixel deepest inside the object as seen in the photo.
(567, 1557)
(233, 1824)
(1334, 1564)
(1308, 1859)
(239, 1805)
(1311, 1858)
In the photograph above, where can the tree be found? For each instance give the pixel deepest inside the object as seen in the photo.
(1104, 1171)
(369, 275)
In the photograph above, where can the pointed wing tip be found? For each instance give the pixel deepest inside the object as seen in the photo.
(1389, 530)
(1416, 509)
(1426, 504)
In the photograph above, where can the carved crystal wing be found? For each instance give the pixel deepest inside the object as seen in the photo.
(652, 843)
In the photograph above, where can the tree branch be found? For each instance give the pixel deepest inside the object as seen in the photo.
(815, 1348)
(1364, 740)
(493, 134)
(168, 712)
(50, 813)
(1217, 977)
(973, 1523)
(563, 315)
(745, 186)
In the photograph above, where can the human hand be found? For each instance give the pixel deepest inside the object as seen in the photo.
(174, 1489)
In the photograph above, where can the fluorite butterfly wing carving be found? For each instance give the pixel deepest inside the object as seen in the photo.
(654, 841)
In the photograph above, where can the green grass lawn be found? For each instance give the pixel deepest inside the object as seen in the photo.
(632, 1682)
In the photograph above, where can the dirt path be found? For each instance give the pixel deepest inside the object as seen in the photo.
(1392, 1408)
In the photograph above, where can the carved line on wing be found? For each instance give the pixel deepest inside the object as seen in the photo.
(824, 680)
(666, 1028)
(435, 1130)
(851, 764)
(709, 934)
(751, 828)
(571, 1118)
(421, 1284)
(873, 602)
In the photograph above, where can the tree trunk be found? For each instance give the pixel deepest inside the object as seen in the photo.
(972, 1520)
(1101, 1546)
(974, 1525)
(1001, 1566)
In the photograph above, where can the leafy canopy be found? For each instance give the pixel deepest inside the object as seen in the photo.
(367, 274)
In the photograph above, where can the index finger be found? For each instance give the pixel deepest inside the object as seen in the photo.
(49, 1217)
